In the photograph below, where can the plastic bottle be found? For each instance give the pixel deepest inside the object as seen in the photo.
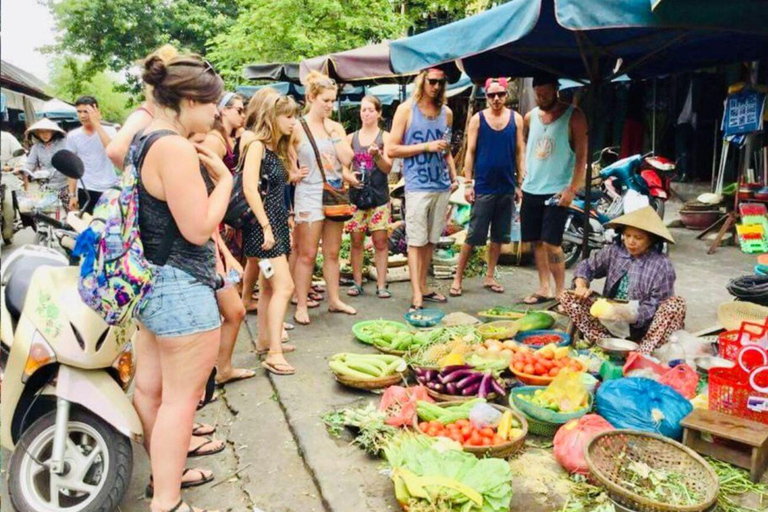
(448, 137)
(113, 242)
(515, 233)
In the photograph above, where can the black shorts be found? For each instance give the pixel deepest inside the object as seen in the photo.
(492, 211)
(82, 198)
(541, 223)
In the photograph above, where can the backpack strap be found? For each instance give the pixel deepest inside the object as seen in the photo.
(172, 230)
(312, 142)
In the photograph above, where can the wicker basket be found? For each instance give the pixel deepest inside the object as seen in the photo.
(440, 397)
(542, 413)
(389, 351)
(539, 380)
(371, 384)
(659, 453)
(509, 331)
(732, 314)
(500, 451)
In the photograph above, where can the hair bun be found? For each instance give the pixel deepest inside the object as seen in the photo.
(154, 70)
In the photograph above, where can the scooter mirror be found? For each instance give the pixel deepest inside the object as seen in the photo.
(19, 152)
(68, 164)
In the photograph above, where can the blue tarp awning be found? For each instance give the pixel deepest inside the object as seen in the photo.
(588, 38)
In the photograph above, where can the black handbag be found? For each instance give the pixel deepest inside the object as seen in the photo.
(363, 198)
(239, 212)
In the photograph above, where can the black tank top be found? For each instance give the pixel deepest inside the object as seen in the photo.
(155, 219)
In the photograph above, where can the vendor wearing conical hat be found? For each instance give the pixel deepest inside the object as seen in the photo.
(635, 269)
(46, 138)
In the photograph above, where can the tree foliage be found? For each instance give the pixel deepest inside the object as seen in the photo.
(69, 80)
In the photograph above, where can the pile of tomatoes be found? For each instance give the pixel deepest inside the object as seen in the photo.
(463, 432)
(539, 340)
(541, 365)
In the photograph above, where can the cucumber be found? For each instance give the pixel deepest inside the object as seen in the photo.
(371, 370)
(342, 369)
(535, 321)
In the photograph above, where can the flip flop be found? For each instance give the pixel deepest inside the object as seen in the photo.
(286, 348)
(318, 288)
(149, 492)
(198, 452)
(494, 287)
(202, 429)
(288, 327)
(180, 504)
(353, 312)
(537, 299)
(435, 297)
(242, 375)
(355, 290)
(415, 308)
(455, 292)
(275, 368)
(317, 297)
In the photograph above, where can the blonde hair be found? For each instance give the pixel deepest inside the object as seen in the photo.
(418, 89)
(316, 83)
(166, 53)
(254, 109)
(266, 129)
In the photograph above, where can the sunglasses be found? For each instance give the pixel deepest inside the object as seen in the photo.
(239, 110)
(495, 95)
(436, 81)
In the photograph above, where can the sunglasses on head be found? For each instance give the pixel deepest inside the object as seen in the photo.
(436, 81)
(494, 95)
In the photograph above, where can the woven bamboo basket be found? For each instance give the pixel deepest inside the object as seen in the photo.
(732, 314)
(371, 384)
(500, 451)
(658, 452)
(389, 351)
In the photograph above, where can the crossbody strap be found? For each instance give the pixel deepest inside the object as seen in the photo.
(314, 146)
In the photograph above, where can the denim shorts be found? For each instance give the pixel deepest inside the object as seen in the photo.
(178, 305)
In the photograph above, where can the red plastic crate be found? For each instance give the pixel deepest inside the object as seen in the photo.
(730, 392)
(730, 342)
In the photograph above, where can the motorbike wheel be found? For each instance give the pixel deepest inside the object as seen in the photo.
(571, 250)
(658, 205)
(99, 462)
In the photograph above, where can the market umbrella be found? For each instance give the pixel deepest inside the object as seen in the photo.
(276, 72)
(592, 39)
(368, 64)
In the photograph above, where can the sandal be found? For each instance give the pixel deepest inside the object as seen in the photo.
(536, 298)
(318, 288)
(288, 327)
(198, 452)
(355, 290)
(210, 389)
(383, 293)
(455, 292)
(253, 307)
(275, 367)
(180, 504)
(415, 308)
(494, 287)
(435, 297)
(317, 297)
(286, 349)
(202, 429)
(149, 492)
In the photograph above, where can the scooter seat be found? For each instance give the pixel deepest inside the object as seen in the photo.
(595, 194)
(21, 276)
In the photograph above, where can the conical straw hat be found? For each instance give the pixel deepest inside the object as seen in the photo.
(646, 219)
(45, 124)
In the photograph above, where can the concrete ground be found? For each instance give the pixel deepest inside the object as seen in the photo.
(279, 456)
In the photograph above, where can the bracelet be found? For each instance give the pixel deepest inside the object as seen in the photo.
(426, 146)
(266, 226)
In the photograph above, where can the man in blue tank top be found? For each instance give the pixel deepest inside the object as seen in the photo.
(421, 137)
(495, 152)
(555, 167)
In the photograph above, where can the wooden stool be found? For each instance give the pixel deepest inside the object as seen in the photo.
(749, 437)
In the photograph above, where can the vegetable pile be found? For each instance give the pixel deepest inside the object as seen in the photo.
(373, 432)
(665, 486)
(366, 366)
(430, 476)
(547, 361)
(548, 401)
(502, 313)
(459, 380)
(437, 344)
(540, 340)
(734, 486)
(453, 422)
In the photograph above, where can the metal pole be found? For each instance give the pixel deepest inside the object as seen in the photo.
(653, 130)
(596, 85)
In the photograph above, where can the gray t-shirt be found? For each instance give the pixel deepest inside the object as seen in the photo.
(100, 173)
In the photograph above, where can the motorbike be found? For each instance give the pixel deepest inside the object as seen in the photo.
(10, 184)
(64, 409)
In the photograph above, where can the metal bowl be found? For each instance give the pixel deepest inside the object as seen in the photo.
(617, 348)
(707, 363)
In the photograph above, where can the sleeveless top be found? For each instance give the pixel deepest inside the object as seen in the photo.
(549, 159)
(495, 163)
(426, 172)
(375, 176)
(155, 219)
(230, 159)
(331, 164)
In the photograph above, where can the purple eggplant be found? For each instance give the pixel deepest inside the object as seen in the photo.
(469, 380)
(431, 385)
(450, 369)
(431, 375)
(451, 389)
(497, 388)
(458, 375)
(419, 371)
(485, 386)
(471, 390)
(439, 387)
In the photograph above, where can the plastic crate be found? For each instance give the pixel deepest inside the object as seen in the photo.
(731, 342)
(731, 393)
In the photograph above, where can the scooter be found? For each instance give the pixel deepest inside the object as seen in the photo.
(64, 409)
(10, 185)
(657, 172)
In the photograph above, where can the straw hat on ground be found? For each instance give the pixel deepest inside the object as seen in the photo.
(646, 219)
(44, 124)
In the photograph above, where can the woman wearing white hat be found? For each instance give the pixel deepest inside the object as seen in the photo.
(634, 270)
(47, 138)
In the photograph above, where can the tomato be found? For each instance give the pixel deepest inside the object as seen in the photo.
(548, 355)
(475, 439)
(435, 424)
(423, 426)
(554, 371)
(528, 369)
(467, 430)
(486, 441)
(519, 366)
(539, 369)
(497, 439)
(461, 423)
(455, 436)
(487, 432)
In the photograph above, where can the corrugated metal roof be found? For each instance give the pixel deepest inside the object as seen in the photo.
(11, 75)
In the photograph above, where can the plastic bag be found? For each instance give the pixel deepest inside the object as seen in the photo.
(683, 345)
(643, 404)
(568, 391)
(573, 437)
(683, 379)
(400, 404)
(616, 317)
(484, 415)
(641, 365)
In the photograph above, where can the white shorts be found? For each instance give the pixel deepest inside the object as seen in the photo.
(308, 203)
(425, 217)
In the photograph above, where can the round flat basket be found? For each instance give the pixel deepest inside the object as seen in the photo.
(500, 330)
(371, 384)
(500, 451)
(488, 317)
(454, 398)
(359, 328)
(538, 380)
(389, 351)
(563, 337)
(542, 413)
(732, 314)
(610, 452)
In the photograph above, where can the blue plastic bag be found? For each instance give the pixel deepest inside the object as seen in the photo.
(643, 404)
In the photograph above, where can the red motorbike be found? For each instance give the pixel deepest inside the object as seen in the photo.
(657, 172)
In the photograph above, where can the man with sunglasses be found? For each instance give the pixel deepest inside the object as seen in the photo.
(555, 168)
(495, 151)
(420, 133)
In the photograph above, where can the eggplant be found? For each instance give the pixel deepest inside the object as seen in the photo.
(419, 371)
(485, 386)
(471, 390)
(431, 375)
(497, 388)
(458, 375)
(439, 387)
(431, 385)
(454, 368)
(469, 380)
(451, 389)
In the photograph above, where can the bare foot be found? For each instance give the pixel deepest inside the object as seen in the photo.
(301, 316)
(340, 307)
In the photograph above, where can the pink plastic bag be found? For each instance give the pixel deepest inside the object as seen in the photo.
(400, 404)
(573, 437)
(683, 379)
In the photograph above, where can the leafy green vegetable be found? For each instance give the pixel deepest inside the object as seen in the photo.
(735, 484)
(373, 432)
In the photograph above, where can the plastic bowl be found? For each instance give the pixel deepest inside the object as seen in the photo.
(539, 380)
(565, 338)
(542, 413)
(424, 317)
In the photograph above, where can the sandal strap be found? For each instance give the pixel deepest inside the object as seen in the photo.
(178, 506)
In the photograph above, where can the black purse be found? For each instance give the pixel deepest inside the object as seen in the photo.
(363, 198)
(239, 212)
